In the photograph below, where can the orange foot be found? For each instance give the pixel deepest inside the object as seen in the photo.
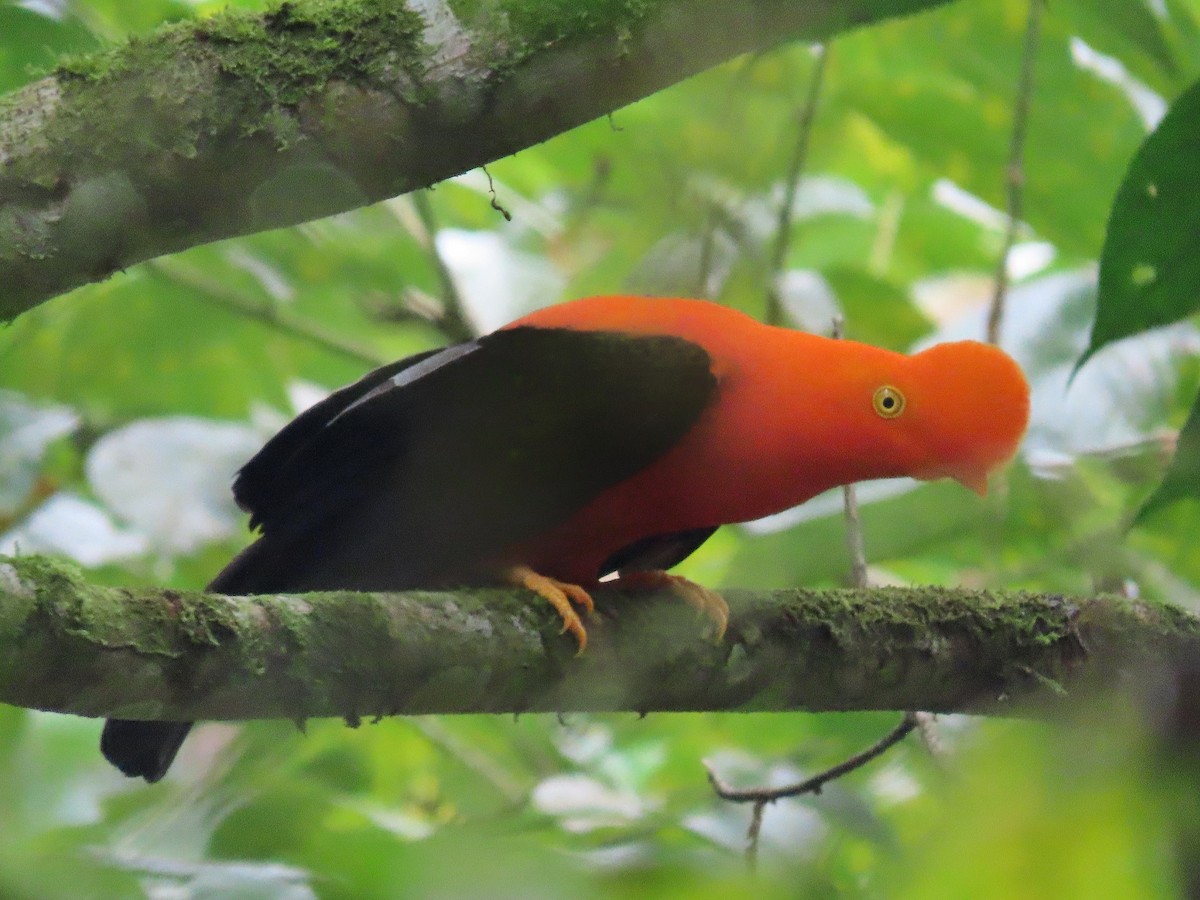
(560, 594)
(711, 604)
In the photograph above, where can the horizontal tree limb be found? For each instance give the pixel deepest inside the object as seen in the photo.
(242, 122)
(151, 653)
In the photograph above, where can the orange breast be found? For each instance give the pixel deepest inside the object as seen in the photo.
(735, 464)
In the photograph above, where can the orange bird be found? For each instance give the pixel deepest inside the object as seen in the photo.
(609, 434)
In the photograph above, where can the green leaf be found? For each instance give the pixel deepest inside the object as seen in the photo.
(814, 551)
(1122, 26)
(940, 90)
(1182, 480)
(1149, 270)
(877, 311)
(32, 41)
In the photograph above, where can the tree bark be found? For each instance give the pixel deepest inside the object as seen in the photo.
(72, 647)
(240, 122)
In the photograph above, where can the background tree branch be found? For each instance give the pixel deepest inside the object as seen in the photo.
(69, 646)
(239, 123)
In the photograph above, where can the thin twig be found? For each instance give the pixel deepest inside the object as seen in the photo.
(815, 784)
(217, 293)
(854, 538)
(1014, 172)
(452, 321)
(854, 531)
(783, 230)
(927, 728)
(756, 819)
(704, 270)
(495, 200)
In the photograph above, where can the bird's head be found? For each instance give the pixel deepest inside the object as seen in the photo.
(961, 410)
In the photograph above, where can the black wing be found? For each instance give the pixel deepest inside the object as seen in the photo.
(661, 551)
(430, 467)
(255, 486)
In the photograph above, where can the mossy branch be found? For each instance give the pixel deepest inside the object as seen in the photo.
(69, 646)
(242, 122)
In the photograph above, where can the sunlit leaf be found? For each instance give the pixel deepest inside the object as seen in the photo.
(1042, 817)
(1119, 26)
(30, 43)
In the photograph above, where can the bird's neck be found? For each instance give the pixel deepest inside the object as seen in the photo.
(785, 422)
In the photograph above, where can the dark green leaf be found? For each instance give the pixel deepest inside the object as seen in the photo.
(1182, 480)
(1149, 270)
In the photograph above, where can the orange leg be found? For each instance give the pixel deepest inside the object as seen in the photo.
(708, 602)
(561, 596)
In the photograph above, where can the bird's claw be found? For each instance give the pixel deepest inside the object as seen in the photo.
(707, 602)
(563, 596)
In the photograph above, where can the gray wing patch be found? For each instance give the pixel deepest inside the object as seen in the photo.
(407, 376)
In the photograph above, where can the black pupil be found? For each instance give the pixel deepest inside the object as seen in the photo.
(889, 402)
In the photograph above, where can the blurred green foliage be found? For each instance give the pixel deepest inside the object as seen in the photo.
(898, 225)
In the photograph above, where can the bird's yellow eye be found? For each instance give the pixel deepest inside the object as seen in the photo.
(888, 402)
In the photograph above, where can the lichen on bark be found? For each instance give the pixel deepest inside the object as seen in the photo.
(242, 121)
(69, 646)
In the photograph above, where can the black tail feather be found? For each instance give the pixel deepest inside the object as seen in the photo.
(142, 749)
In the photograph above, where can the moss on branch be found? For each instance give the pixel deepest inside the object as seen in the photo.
(69, 646)
(244, 121)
